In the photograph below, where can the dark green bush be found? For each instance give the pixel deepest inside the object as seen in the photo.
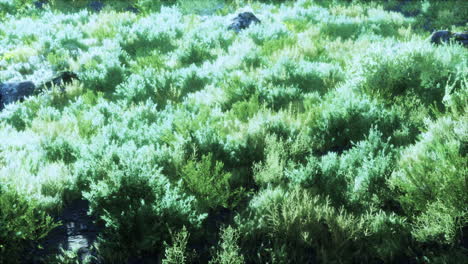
(435, 197)
(297, 227)
(59, 149)
(137, 204)
(345, 118)
(356, 179)
(207, 181)
(21, 222)
(411, 70)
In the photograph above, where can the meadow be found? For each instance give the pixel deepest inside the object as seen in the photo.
(331, 132)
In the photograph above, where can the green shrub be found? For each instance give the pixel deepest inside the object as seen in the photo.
(207, 181)
(229, 252)
(176, 254)
(101, 68)
(137, 204)
(157, 31)
(345, 118)
(412, 69)
(356, 179)
(307, 76)
(21, 222)
(297, 227)
(59, 149)
(435, 197)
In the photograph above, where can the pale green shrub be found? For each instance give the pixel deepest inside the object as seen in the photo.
(134, 200)
(101, 68)
(435, 196)
(176, 254)
(157, 31)
(229, 252)
(412, 69)
(296, 226)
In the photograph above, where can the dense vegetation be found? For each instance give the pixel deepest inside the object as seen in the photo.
(332, 132)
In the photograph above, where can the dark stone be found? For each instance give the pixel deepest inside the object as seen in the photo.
(132, 9)
(445, 36)
(461, 38)
(62, 79)
(40, 4)
(243, 21)
(96, 5)
(78, 230)
(12, 92)
(441, 36)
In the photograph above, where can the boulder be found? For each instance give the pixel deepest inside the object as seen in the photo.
(132, 9)
(62, 79)
(243, 21)
(40, 4)
(441, 36)
(445, 36)
(461, 38)
(15, 91)
(96, 6)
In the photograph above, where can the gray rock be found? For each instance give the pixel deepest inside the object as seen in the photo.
(445, 36)
(441, 36)
(132, 9)
(461, 38)
(96, 6)
(15, 91)
(61, 79)
(243, 21)
(40, 4)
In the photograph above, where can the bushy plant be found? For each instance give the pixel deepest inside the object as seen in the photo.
(355, 179)
(345, 118)
(101, 68)
(60, 149)
(435, 197)
(157, 31)
(21, 221)
(307, 76)
(296, 226)
(207, 181)
(229, 252)
(413, 69)
(177, 252)
(136, 203)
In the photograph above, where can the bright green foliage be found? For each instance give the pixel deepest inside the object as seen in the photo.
(176, 254)
(209, 183)
(412, 69)
(331, 132)
(435, 196)
(229, 252)
(124, 185)
(20, 221)
(298, 227)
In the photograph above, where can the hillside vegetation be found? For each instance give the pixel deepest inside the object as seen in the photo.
(331, 132)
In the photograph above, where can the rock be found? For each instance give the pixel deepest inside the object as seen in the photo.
(96, 5)
(78, 231)
(62, 79)
(40, 4)
(445, 36)
(17, 91)
(243, 21)
(461, 38)
(441, 36)
(132, 9)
